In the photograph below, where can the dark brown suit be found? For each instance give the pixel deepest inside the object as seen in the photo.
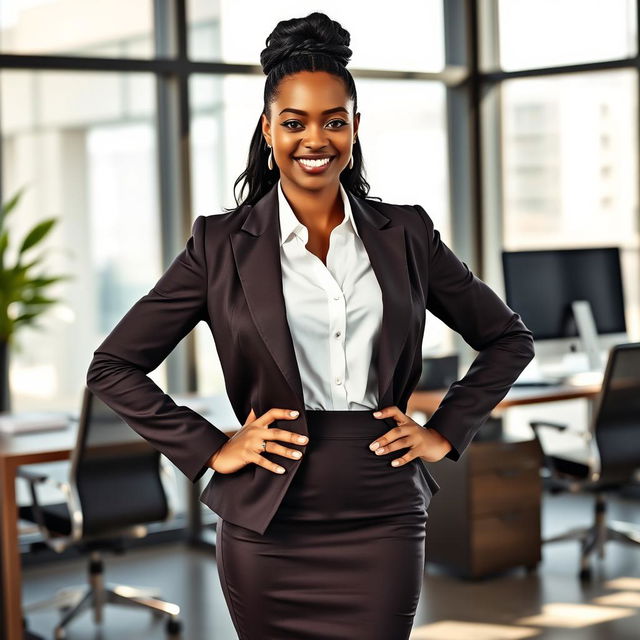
(229, 276)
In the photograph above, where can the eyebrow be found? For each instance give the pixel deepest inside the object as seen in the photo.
(304, 113)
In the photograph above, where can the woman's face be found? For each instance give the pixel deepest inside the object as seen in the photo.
(299, 128)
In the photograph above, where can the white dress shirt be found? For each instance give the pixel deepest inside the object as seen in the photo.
(334, 312)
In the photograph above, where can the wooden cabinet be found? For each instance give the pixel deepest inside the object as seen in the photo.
(486, 516)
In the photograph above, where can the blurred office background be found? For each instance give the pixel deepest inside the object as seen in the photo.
(514, 123)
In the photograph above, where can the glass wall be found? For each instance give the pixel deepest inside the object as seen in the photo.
(571, 166)
(83, 146)
(567, 77)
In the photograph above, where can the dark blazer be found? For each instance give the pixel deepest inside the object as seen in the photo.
(229, 276)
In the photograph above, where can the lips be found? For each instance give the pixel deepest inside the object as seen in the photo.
(314, 170)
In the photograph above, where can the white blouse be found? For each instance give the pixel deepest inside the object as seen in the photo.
(334, 312)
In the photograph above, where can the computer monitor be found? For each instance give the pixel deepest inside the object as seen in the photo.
(541, 286)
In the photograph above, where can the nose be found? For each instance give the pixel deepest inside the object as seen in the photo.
(316, 137)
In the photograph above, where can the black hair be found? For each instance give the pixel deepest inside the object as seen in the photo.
(312, 43)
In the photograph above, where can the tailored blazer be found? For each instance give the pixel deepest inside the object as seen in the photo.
(229, 276)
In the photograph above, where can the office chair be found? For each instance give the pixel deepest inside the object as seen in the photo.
(610, 457)
(117, 484)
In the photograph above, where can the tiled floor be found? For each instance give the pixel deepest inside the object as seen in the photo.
(550, 605)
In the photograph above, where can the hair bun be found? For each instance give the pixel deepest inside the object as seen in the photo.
(313, 34)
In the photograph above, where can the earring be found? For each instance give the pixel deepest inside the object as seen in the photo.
(270, 160)
(351, 158)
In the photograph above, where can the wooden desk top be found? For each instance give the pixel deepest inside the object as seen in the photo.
(428, 401)
(38, 446)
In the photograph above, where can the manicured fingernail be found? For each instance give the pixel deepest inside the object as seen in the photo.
(374, 446)
(296, 454)
(293, 414)
(302, 439)
(379, 451)
(395, 463)
(377, 414)
(280, 470)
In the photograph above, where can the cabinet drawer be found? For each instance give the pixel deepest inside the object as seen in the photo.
(507, 540)
(504, 490)
(491, 456)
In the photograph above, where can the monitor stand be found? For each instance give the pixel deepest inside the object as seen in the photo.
(588, 333)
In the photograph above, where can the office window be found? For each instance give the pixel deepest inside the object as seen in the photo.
(224, 112)
(407, 35)
(103, 28)
(84, 146)
(404, 136)
(570, 167)
(547, 33)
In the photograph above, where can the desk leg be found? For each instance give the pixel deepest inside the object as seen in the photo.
(11, 614)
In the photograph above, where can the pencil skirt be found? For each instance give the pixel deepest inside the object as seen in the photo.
(343, 556)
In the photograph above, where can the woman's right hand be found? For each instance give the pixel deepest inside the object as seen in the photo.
(245, 446)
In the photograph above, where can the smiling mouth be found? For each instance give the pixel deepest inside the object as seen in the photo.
(309, 165)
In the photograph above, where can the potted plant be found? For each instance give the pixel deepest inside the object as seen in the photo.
(23, 296)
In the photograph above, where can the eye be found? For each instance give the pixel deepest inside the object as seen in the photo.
(288, 122)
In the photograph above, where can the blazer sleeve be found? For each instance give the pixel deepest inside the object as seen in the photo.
(470, 307)
(141, 340)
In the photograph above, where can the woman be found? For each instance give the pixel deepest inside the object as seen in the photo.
(320, 538)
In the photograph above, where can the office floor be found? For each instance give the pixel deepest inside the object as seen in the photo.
(549, 605)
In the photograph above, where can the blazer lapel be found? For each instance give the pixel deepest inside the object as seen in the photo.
(256, 248)
(387, 252)
(257, 256)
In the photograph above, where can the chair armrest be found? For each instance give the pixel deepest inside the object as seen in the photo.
(35, 479)
(559, 426)
(548, 460)
(31, 476)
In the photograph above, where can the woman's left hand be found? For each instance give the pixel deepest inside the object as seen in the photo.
(425, 443)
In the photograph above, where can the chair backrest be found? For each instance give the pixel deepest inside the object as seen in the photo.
(616, 418)
(115, 472)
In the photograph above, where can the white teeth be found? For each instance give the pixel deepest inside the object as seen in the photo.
(314, 163)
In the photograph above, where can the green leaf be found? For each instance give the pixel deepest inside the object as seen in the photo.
(40, 300)
(41, 281)
(4, 242)
(23, 296)
(11, 204)
(37, 234)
